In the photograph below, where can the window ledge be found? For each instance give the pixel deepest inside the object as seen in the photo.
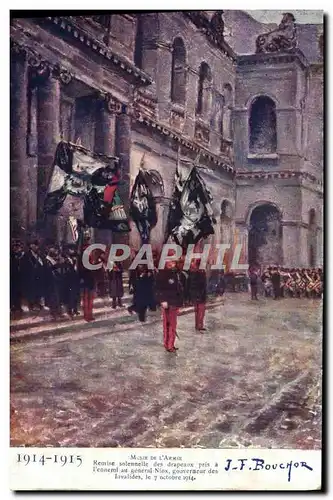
(262, 156)
(179, 108)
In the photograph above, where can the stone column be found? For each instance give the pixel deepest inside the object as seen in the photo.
(123, 151)
(48, 110)
(48, 80)
(19, 186)
(105, 128)
(291, 236)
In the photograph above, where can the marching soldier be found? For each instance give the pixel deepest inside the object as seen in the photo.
(71, 282)
(116, 288)
(320, 285)
(88, 278)
(16, 256)
(141, 284)
(170, 294)
(197, 285)
(54, 270)
(267, 283)
(276, 283)
(33, 276)
(253, 283)
(298, 283)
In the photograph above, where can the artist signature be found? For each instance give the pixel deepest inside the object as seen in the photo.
(260, 464)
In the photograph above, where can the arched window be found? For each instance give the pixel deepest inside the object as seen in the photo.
(263, 137)
(226, 126)
(204, 91)
(178, 76)
(138, 42)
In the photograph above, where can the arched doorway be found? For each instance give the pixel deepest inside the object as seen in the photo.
(265, 236)
(312, 238)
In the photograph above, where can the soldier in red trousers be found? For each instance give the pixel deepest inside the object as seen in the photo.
(170, 295)
(88, 281)
(197, 293)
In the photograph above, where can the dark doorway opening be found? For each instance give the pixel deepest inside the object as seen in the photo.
(265, 236)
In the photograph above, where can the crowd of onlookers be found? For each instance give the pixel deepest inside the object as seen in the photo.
(52, 276)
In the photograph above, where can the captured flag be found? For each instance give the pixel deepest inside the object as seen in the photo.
(175, 211)
(84, 185)
(143, 207)
(191, 215)
(103, 215)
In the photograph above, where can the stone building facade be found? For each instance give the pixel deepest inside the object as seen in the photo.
(159, 88)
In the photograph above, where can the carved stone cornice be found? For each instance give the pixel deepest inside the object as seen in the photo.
(272, 58)
(202, 131)
(110, 103)
(221, 161)
(79, 34)
(146, 103)
(40, 68)
(62, 74)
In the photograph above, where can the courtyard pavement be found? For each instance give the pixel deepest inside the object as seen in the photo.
(252, 380)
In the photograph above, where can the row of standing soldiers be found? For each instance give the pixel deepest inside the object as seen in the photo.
(287, 282)
(55, 277)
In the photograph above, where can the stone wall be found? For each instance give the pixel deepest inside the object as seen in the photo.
(78, 109)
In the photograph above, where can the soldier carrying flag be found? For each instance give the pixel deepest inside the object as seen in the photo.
(143, 207)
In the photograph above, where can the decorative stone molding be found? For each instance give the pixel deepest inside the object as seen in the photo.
(177, 117)
(62, 74)
(226, 148)
(262, 156)
(111, 104)
(40, 68)
(283, 174)
(294, 223)
(272, 58)
(218, 160)
(147, 104)
(68, 25)
(201, 132)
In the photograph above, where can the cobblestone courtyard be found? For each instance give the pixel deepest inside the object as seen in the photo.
(252, 380)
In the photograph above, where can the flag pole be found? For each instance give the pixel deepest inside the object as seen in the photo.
(142, 162)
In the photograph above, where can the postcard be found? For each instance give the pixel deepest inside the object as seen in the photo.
(166, 260)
